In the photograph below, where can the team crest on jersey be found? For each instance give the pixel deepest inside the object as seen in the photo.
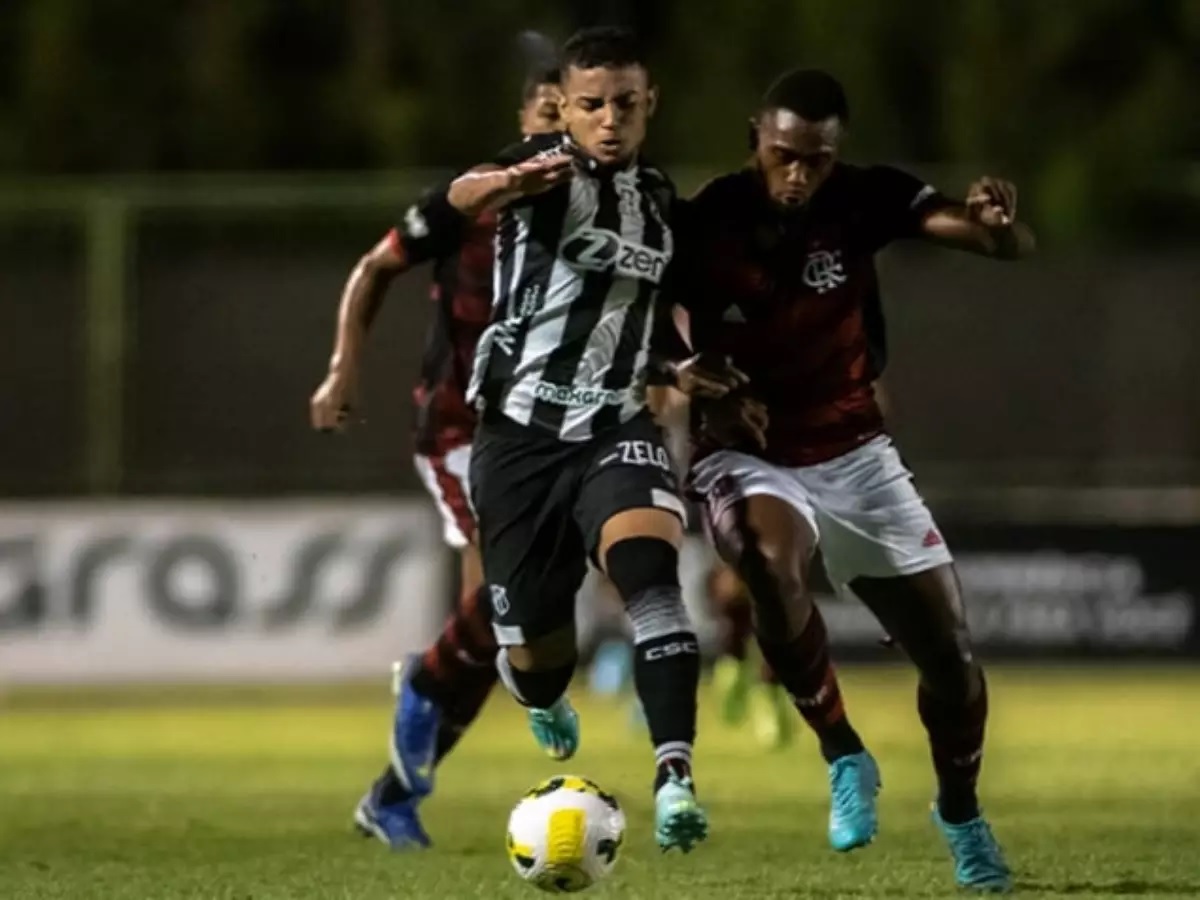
(823, 270)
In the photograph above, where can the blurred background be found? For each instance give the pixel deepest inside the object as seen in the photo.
(184, 188)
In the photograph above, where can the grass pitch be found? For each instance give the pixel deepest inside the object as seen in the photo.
(1092, 782)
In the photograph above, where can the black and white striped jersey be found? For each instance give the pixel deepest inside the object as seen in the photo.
(576, 277)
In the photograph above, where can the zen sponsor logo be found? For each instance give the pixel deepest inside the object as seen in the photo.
(600, 250)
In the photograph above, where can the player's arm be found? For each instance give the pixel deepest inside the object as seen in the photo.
(431, 228)
(985, 223)
(899, 205)
(523, 170)
(673, 363)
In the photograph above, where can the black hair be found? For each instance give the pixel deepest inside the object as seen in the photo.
(603, 46)
(811, 94)
(536, 78)
(540, 61)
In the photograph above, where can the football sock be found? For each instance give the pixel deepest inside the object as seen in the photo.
(805, 670)
(463, 652)
(956, 732)
(666, 656)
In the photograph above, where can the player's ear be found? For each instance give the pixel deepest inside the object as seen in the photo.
(752, 134)
(651, 100)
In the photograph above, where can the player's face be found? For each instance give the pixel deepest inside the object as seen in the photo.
(540, 114)
(795, 155)
(606, 110)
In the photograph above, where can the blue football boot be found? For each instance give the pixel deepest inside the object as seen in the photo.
(854, 785)
(396, 824)
(978, 860)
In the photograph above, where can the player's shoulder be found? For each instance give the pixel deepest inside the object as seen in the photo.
(653, 176)
(731, 194)
(656, 183)
(867, 183)
(432, 193)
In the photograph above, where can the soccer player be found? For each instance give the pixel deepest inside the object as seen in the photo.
(777, 271)
(441, 691)
(742, 687)
(568, 465)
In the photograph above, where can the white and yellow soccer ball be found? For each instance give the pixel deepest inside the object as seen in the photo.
(565, 834)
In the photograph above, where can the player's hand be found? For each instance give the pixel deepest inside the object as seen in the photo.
(333, 402)
(708, 375)
(734, 420)
(992, 202)
(534, 176)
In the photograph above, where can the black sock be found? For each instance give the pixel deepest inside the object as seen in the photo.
(956, 732)
(666, 657)
(666, 673)
(805, 670)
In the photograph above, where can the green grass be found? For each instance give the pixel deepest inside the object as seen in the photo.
(1092, 782)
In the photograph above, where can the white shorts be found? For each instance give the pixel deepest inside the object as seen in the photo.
(862, 507)
(447, 480)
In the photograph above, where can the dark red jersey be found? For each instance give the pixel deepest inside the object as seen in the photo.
(461, 252)
(794, 299)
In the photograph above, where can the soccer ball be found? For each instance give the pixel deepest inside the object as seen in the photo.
(564, 835)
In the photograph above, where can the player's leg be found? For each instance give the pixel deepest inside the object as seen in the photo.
(761, 524)
(534, 564)
(881, 540)
(923, 612)
(441, 691)
(631, 516)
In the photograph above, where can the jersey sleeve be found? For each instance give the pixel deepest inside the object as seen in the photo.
(895, 204)
(431, 228)
(527, 149)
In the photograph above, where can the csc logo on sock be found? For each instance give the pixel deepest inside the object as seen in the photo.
(675, 648)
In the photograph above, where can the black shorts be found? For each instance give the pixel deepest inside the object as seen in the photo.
(540, 504)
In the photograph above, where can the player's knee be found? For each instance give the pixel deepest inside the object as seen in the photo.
(951, 672)
(643, 523)
(637, 564)
(645, 572)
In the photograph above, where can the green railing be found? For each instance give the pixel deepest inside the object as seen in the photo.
(107, 212)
